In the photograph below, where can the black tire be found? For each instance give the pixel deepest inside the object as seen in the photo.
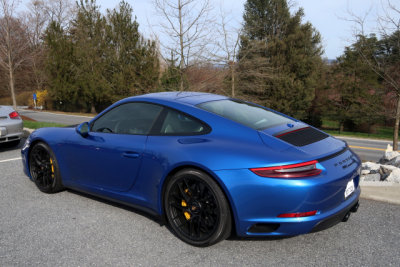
(44, 170)
(196, 208)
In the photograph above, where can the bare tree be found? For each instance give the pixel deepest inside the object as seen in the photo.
(60, 11)
(36, 21)
(186, 26)
(228, 46)
(13, 43)
(382, 64)
(40, 14)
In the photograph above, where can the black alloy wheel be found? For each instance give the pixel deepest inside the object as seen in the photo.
(197, 209)
(44, 170)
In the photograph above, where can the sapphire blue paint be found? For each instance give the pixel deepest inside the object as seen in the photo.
(132, 169)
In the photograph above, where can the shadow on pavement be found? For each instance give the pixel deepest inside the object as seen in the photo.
(154, 218)
(9, 146)
(159, 220)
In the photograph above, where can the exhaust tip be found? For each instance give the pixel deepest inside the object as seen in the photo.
(355, 207)
(346, 217)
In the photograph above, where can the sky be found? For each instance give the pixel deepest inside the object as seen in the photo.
(327, 16)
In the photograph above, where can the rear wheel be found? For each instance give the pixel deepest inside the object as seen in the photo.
(44, 169)
(196, 208)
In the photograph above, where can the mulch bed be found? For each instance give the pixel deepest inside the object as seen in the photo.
(25, 118)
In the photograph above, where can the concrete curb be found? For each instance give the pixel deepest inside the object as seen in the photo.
(384, 193)
(377, 184)
(362, 138)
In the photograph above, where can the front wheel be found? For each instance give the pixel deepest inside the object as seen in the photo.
(196, 208)
(44, 169)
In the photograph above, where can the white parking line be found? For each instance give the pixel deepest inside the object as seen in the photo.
(7, 160)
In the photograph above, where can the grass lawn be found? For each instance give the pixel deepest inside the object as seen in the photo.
(382, 132)
(38, 124)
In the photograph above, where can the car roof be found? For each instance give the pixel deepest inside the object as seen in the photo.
(191, 98)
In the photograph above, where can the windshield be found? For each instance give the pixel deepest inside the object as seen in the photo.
(250, 115)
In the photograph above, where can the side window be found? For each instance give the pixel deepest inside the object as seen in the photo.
(130, 118)
(177, 123)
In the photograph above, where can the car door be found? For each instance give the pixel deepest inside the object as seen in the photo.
(110, 156)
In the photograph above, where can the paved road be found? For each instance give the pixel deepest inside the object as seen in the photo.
(70, 229)
(53, 117)
(368, 150)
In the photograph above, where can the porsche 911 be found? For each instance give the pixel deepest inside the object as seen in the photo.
(206, 165)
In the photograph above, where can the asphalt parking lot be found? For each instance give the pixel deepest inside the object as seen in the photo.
(71, 229)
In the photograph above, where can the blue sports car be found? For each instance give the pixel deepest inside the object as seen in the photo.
(206, 165)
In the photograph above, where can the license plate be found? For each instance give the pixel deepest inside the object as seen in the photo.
(349, 188)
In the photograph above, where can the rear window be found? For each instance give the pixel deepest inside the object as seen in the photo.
(245, 113)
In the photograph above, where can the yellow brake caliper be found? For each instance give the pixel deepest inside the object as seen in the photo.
(184, 204)
(52, 168)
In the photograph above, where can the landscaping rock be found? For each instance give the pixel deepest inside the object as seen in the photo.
(372, 177)
(394, 162)
(388, 156)
(365, 172)
(371, 166)
(387, 169)
(394, 176)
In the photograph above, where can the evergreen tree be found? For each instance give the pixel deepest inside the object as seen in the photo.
(356, 94)
(279, 57)
(59, 67)
(88, 36)
(101, 59)
(170, 79)
(133, 65)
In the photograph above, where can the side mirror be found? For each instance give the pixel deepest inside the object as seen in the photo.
(83, 129)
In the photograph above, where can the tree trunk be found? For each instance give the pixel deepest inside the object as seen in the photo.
(233, 78)
(93, 109)
(182, 62)
(396, 126)
(11, 74)
(10, 66)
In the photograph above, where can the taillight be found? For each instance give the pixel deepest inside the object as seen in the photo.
(298, 214)
(298, 170)
(14, 115)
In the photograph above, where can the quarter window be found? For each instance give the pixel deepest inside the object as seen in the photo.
(247, 114)
(130, 118)
(177, 123)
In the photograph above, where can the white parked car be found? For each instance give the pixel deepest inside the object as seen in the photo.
(10, 125)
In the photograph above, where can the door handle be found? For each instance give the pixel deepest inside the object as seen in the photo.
(130, 154)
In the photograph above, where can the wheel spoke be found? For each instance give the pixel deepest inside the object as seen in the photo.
(182, 191)
(198, 226)
(202, 190)
(187, 186)
(199, 201)
(38, 160)
(41, 169)
(177, 206)
(191, 228)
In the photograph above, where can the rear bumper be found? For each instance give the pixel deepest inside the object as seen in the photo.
(258, 201)
(10, 138)
(11, 131)
(337, 217)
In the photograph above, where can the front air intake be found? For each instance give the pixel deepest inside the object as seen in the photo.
(302, 137)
